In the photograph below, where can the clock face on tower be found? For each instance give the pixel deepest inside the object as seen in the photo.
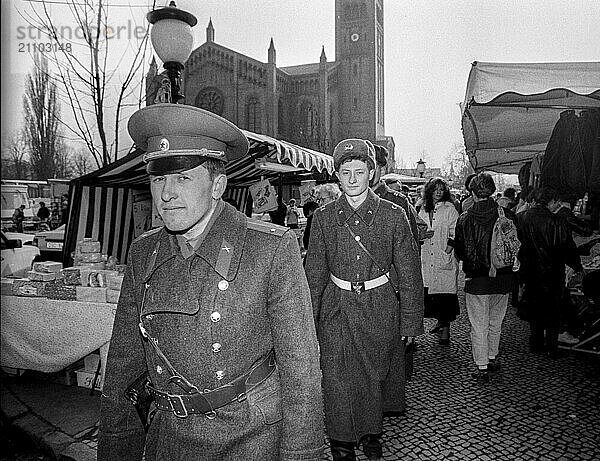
(354, 37)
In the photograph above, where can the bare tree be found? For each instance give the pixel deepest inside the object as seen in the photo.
(14, 159)
(41, 111)
(64, 160)
(82, 162)
(456, 165)
(85, 75)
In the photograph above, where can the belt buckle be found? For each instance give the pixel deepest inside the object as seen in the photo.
(180, 412)
(358, 287)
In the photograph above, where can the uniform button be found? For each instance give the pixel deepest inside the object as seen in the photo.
(220, 374)
(357, 238)
(356, 222)
(215, 317)
(159, 369)
(216, 347)
(357, 257)
(223, 285)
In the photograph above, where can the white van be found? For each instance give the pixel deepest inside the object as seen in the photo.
(13, 196)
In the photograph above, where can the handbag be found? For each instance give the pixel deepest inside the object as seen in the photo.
(138, 394)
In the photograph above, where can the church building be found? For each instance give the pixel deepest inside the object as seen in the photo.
(312, 105)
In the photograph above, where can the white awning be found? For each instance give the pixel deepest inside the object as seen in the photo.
(510, 109)
(288, 153)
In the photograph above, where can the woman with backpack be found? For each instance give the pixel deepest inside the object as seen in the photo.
(486, 286)
(438, 263)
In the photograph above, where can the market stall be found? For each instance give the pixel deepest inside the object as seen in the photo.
(106, 204)
(511, 109)
(53, 316)
(48, 335)
(541, 120)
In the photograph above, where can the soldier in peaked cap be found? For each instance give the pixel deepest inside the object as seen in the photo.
(215, 308)
(361, 321)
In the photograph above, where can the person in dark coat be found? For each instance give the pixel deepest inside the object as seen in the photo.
(43, 213)
(215, 308)
(547, 247)
(308, 209)
(362, 326)
(18, 217)
(418, 228)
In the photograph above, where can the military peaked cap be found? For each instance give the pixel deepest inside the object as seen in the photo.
(178, 137)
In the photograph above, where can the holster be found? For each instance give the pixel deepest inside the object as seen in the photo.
(137, 392)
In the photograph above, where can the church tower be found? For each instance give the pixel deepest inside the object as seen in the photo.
(359, 52)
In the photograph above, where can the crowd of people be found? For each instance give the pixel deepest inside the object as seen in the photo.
(227, 345)
(45, 218)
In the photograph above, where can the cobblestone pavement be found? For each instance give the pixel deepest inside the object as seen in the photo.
(535, 408)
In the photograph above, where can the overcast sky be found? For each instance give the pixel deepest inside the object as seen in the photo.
(429, 48)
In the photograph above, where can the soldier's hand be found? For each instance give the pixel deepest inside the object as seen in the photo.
(408, 339)
(428, 234)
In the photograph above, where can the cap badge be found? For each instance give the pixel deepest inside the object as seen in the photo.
(348, 147)
(164, 144)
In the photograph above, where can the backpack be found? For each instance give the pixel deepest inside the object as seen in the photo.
(505, 244)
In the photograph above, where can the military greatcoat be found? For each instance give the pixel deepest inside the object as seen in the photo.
(214, 315)
(360, 334)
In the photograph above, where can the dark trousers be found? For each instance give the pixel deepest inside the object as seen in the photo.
(545, 306)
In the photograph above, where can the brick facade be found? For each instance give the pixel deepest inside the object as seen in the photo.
(313, 105)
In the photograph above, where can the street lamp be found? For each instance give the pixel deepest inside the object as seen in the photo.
(172, 40)
(421, 167)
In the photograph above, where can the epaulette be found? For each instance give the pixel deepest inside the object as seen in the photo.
(391, 205)
(148, 233)
(267, 227)
(330, 204)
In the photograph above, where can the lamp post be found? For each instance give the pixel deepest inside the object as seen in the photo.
(421, 167)
(172, 39)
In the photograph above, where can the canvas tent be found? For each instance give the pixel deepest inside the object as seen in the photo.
(510, 109)
(102, 203)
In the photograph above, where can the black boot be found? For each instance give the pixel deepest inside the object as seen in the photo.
(372, 447)
(445, 334)
(342, 451)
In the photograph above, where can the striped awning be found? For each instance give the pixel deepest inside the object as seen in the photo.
(102, 201)
(131, 171)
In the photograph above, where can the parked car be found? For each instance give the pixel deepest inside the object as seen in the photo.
(18, 254)
(51, 244)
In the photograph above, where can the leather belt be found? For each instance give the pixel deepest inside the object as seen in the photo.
(208, 401)
(359, 287)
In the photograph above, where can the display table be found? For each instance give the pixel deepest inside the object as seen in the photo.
(48, 335)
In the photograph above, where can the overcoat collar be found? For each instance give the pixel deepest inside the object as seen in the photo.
(222, 248)
(366, 211)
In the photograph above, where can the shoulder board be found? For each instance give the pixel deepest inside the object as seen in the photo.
(148, 233)
(392, 205)
(267, 227)
(330, 204)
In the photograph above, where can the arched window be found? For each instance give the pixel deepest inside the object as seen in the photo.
(253, 115)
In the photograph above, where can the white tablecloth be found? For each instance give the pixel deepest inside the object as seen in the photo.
(48, 335)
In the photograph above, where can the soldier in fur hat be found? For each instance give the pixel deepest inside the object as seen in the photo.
(362, 323)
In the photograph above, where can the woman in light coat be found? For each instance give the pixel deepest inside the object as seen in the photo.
(438, 263)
